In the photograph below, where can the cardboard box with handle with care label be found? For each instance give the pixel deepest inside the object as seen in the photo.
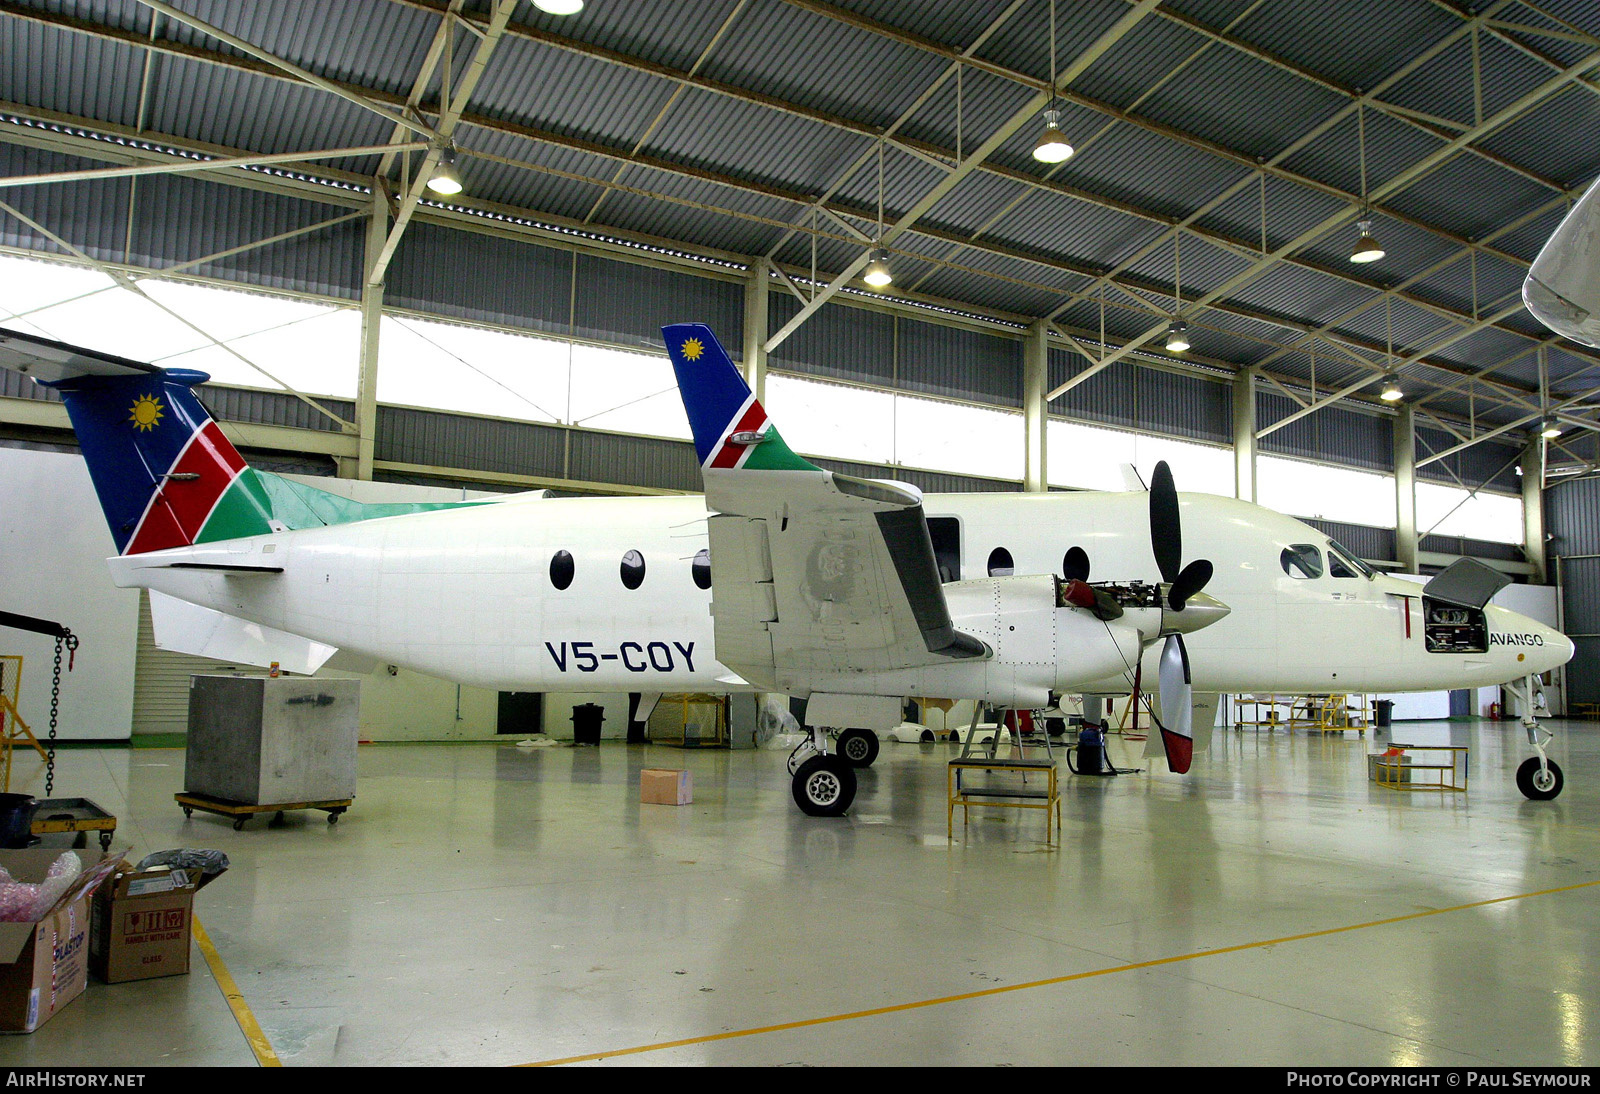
(44, 960)
(144, 916)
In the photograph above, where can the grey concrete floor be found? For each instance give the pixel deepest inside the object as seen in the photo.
(483, 904)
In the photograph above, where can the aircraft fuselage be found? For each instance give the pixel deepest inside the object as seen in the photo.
(471, 595)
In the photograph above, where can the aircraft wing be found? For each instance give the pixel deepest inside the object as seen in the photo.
(813, 572)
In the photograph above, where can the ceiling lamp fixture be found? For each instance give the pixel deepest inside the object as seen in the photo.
(1367, 249)
(1177, 330)
(446, 179)
(1052, 146)
(877, 273)
(559, 7)
(1391, 392)
(1549, 429)
(1177, 336)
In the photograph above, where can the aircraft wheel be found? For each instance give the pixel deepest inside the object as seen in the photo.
(859, 747)
(824, 786)
(927, 737)
(1539, 785)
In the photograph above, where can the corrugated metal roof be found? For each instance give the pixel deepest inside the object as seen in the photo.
(779, 61)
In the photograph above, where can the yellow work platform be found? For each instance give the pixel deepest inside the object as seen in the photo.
(1014, 793)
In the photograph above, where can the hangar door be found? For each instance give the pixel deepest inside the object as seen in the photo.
(161, 679)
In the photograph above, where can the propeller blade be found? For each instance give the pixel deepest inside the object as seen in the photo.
(1075, 564)
(1166, 535)
(1190, 581)
(1177, 705)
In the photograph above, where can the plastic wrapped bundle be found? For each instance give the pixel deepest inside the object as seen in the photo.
(27, 902)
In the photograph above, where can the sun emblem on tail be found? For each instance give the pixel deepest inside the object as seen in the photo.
(146, 413)
(692, 349)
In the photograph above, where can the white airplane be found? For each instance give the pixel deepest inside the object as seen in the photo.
(851, 593)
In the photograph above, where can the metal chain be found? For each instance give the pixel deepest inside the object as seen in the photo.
(70, 642)
(55, 709)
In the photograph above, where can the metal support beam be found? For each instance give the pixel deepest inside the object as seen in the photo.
(757, 291)
(1035, 410)
(1244, 435)
(1405, 490)
(194, 166)
(371, 326)
(449, 118)
(1533, 461)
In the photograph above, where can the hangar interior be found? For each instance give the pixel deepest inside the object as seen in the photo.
(1275, 217)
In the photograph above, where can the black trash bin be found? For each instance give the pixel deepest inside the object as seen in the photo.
(587, 718)
(1383, 712)
(16, 820)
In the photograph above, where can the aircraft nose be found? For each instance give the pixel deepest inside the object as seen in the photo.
(1535, 647)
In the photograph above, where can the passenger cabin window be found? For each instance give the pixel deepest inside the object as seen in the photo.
(1000, 564)
(1302, 560)
(561, 569)
(633, 569)
(701, 568)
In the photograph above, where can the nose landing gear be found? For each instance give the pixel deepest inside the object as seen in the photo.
(1539, 778)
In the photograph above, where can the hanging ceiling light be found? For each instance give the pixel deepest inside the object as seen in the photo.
(1052, 146)
(1177, 336)
(1549, 429)
(877, 272)
(1367, 249)
(445, 178)
(559, 7)
(1391, 392)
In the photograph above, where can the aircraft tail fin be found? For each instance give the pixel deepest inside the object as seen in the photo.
(731, 428)
(164, 473)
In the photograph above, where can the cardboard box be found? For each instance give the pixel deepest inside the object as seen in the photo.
(665, 787)
(143, 922)
(44, 965)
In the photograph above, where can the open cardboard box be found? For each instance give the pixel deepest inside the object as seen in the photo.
(45, 965)
(143, 921)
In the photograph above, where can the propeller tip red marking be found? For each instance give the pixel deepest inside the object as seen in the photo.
(1180, 751)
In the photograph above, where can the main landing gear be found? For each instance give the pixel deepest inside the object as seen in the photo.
(858, 746)
(824, 784)
(1539, 778)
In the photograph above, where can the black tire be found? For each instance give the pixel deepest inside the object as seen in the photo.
(824, 786)
(238, 825)
(859, 747)
(927, 737)
(1539, 786)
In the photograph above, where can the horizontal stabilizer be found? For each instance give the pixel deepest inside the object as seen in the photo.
(188, 628)
(51, 361)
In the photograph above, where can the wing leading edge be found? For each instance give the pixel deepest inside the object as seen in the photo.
(815, 572)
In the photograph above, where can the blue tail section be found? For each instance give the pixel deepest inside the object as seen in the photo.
(713, 390)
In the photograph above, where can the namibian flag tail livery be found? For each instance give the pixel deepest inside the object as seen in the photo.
(731, 429)
(165, 474)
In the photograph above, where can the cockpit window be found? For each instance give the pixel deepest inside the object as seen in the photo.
(1301, 560)
(1338, 553)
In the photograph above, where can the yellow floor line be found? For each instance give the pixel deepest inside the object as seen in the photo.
(985, 992)
(241, 1010)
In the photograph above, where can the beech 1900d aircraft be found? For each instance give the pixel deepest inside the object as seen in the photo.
(852, 593)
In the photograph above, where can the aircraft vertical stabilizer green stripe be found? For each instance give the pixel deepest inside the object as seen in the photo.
(243, 510)
(772, 454)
